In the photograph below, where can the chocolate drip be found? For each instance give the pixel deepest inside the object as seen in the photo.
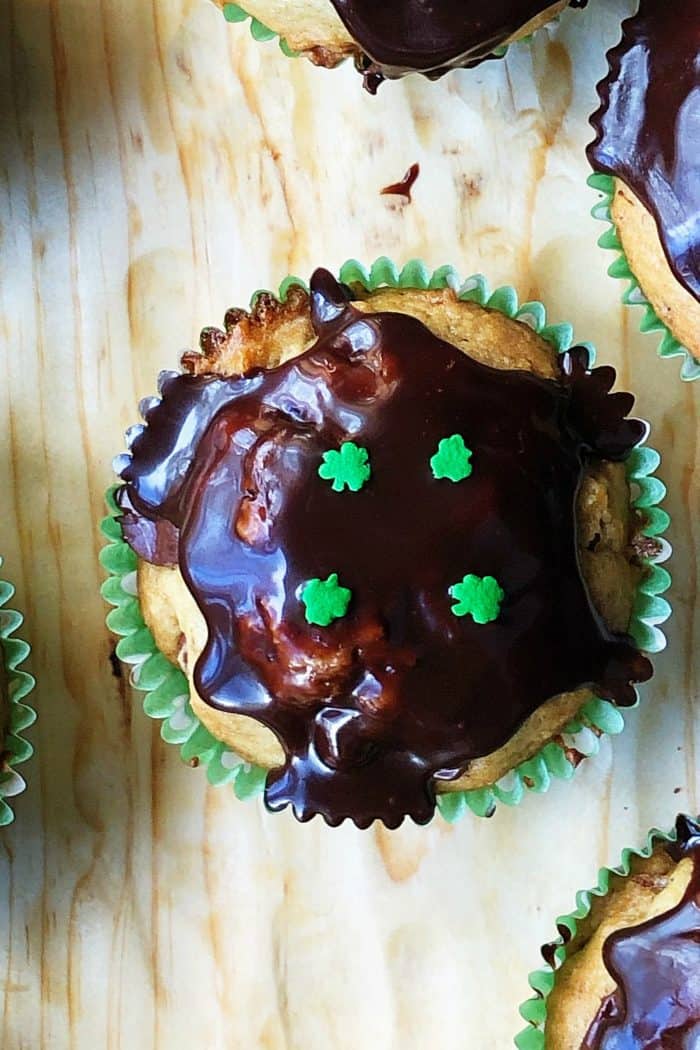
(400, 692)
(648, 126)
(406, 36)
(404, 187)
(656, 965)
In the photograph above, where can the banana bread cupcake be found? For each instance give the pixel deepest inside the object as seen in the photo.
(647, 159)
(630, 975)
(390, 39)
(387, 534)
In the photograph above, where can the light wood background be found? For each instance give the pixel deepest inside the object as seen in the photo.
(156, 166)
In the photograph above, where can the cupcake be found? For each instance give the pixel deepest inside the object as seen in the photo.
(388, 40)
(15, 714)
(647, 162)
(630, 975)
(387, 535)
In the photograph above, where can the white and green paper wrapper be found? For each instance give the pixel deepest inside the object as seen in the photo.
(633, 295)
(534, 1010)
(165, 687)
(15, 749)
(258, 31)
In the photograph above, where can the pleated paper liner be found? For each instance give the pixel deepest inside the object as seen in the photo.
(633, 295)
(165, 686)
(258, 31)
(16, 750)
(534, 1010)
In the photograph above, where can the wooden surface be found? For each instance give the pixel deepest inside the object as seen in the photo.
(157, 166)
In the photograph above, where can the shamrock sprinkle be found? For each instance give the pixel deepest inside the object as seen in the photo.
(452, 459)
(479, 596)
(346, 466)
(325, 600)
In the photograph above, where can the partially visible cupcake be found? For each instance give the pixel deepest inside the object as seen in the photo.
(387, 534)
(15, 713)
(647, 156)
(394, 37)
(630, 975)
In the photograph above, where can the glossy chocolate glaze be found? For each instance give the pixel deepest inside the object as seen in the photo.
(372, 709)
(407, 36)
(404, 187)
(656, 1005)
(648, 126)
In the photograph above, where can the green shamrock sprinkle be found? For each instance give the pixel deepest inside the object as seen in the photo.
(479, 596)
(346, 466)
(325, 600)
(452, 459)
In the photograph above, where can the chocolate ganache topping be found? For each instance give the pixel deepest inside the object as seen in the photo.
(432, 36)
(656, 1005)
(648, 126)
(397, 691)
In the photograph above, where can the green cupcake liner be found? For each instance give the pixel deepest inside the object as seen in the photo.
(258, 31)
(669, 346)
(14, 651)
(166, 687)
(534, 1010)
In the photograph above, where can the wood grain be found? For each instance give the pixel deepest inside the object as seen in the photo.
(157, 166)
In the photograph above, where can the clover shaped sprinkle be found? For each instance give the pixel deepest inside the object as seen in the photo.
(345, 466)
(325, 600)
(452, 459)
(477, 596)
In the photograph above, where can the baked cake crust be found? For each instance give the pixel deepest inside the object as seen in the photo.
(639, 235)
